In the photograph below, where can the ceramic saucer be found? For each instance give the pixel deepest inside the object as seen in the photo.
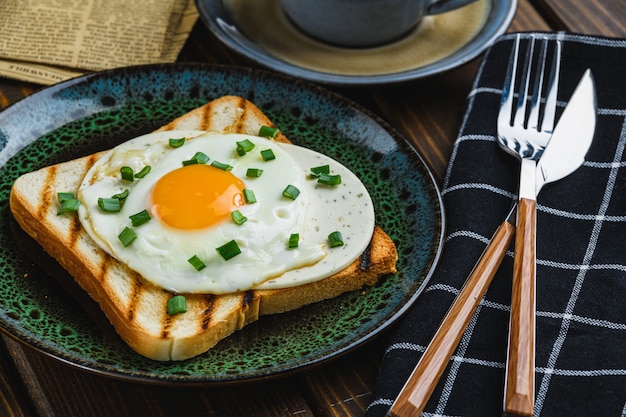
(261, 31)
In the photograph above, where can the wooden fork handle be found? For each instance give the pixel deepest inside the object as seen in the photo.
(422, 382)
(520, 369)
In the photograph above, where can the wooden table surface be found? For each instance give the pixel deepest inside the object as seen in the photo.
(428, 113)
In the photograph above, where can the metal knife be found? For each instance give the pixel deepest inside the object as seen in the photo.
(563, 154)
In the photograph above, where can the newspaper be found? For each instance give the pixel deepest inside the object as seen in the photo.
(47, 41)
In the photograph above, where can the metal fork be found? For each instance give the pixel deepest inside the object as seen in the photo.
(414, 395)
(525, 136)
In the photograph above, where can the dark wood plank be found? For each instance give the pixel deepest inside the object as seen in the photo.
(343, 388)
(58, 389)
(593, 17)
(14, 401)
(428, 113)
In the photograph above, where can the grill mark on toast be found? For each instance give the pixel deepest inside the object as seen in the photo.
(47, 197)
(75, 231)
(135, 295)
(167, 325)
(238, 127)
(90, 162)
(205, 119)
(365, 260)
(247, 299)
(207, 313)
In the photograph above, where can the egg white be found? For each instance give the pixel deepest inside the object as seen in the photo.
(160, 253)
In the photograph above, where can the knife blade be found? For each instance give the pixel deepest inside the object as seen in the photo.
(571, 138)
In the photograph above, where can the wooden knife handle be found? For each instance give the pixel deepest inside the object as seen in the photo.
(520, 368)
(420, 385)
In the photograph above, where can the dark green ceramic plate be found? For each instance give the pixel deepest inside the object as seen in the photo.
(42, 307)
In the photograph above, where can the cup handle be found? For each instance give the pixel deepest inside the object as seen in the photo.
(442, 6)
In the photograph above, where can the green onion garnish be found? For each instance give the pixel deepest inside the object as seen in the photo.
(65, 196)
(112, 205)
(196, 262)
(268, 132)
(176, 143)
(176, 305)
(198, 158)
(335, 239)
(329, 179)
(316, 172)
(127, 236)
(140, 218)
(222, 166)
(249, 196)
(229, 250)
(267, 155)
(237, 217)
(254, 172)
(144, 171)
(68, 205)
(201, 157)
(293, 240)
(122, 195)
(127, 174)
(291, 192)
(244, 146)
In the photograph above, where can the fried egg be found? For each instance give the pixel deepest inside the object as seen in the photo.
(195, 201)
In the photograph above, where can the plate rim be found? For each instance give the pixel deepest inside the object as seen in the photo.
(27, 341)
(214, 16)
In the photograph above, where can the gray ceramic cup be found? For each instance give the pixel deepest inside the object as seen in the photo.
(362, 23)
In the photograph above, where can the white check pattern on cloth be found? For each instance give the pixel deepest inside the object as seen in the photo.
(581, 257)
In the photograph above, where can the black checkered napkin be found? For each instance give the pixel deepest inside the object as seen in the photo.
(581, 257)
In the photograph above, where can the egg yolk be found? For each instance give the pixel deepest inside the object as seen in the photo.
(196, 196)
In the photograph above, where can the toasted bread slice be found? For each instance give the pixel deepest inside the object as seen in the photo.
(136, 308)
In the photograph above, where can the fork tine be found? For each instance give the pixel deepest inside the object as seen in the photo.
(533, 119)
(520, 112)
(549, 112)
(506, 103)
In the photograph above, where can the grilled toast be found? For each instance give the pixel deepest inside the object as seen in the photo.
(136, 308)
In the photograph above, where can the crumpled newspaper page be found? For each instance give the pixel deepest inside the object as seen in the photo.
(48, 41)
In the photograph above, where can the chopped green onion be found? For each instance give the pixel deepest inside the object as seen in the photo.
(329, 179)
(122, 195)
(335, 239)
(291, 192)
(112, 205)
(316, 172)
(65, 196)
(222, 166)
(254, 172)
(198, 158)
(127, 174)
(177, 143)
(267, 155)
(140, 218)
(176, 305)
(144, 171)
(268, 132)
(293, 240)
(68, 205)
(127, 236)
(201, 157)
(229, 250)
(196, 262)
(249, 196)
(237, 217)
(244, 146)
